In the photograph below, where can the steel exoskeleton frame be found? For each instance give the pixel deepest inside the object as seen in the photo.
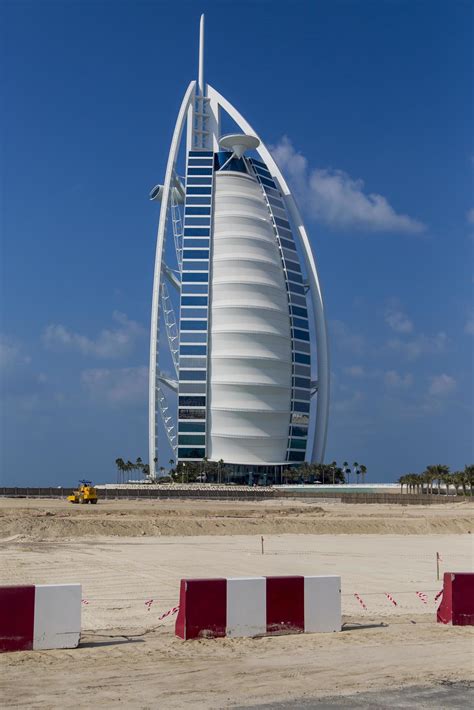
(216, 102)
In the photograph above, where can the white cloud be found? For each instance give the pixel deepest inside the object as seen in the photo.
(421, 345)
(110, 343)
(338, 200)
(354, 371)
(11, 353)
(442, 385)
(469, 327)
(398, 321)
(340, 333)
(126, 385)
(396, 381)
(8, 352)
(353, 403)
(470, 215)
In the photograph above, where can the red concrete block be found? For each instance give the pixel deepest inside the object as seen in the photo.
(17, 618)
(202, 608)
(285, 605)
(457, 604)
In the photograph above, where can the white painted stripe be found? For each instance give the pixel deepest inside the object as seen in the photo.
(246, 606)
(322, 604)
(57, 616)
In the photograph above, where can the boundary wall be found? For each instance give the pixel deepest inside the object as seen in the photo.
(229, 493)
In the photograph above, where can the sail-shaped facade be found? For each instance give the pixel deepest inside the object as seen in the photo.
(240, 306)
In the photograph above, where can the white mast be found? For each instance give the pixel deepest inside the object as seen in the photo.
(201, 57)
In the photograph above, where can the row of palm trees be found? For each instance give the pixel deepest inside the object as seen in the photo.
(325, 473)
(436, 477)
(357, 468)
(218, 471)
(125, 468)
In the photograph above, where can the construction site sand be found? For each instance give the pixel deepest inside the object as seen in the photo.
(57, 519)
(130, 658)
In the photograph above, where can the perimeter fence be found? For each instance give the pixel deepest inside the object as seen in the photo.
(229, 493)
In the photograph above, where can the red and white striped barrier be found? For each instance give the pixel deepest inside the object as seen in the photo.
(39, 617)
(170, 612)
(253, 606)
(361, 601)
(422, 597)
(391, 599)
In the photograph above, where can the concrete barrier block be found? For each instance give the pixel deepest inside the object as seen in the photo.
(17, 611)
(322, 604)
(246, 606)
(457, 603)
(57, 616)
(285, 605)
(202, 608)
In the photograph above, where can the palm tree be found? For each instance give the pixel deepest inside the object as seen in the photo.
(333, 466)
(363, 470)
(415, 482)
(203, 465)
(402, 481)
(346, 469)
(447, 479)
(435, 473)
(220, 464)
(120, 464)
(355, 468)
(457, 478)
(469, 473)
(429, 475)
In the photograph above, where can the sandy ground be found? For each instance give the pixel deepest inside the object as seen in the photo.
(129, 658)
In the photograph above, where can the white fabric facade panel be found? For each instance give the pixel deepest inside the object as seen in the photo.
(250, 337)
(260, 296)
(322, 604)
(246, 606)
(245, 424)
(57, 616)
(253, 346)
(271, 372)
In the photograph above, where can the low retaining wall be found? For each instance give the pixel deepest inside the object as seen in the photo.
(255, 606)
(147, 492)
(457, 604)
(39, 617)
(251, 494)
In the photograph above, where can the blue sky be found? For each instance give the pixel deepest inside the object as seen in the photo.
(369, 108)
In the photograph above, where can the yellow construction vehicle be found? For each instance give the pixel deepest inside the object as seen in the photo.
(86, 493)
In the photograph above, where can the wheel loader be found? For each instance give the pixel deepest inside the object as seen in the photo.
(86, 493)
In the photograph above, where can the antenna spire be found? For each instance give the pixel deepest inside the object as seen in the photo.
(201, 57)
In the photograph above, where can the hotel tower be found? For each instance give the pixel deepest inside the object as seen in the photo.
(239, 368)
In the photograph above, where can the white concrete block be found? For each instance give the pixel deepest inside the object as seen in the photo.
(322, 604)
(246, 606)
(57, 616)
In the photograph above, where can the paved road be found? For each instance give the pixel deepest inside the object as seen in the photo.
(446, 696)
